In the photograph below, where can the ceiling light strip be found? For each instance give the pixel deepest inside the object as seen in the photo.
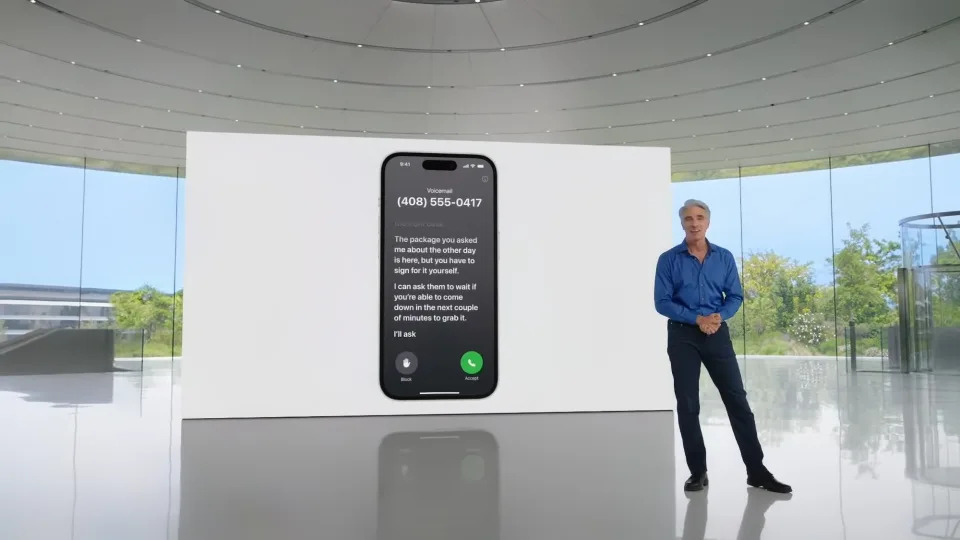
(300, 35)
(838, 150)
(391, 85)
(504, 134)
(81, 147)
(382, 111)
(84, 134)
(807, 137)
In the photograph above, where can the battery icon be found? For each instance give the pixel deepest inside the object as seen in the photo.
(480, 165)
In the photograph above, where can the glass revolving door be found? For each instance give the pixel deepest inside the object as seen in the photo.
(929, 290)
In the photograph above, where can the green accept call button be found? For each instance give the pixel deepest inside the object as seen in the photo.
(471, 362)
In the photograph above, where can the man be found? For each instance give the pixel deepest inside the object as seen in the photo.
(698, 289)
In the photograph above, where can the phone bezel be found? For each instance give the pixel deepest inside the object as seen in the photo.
(496, 277)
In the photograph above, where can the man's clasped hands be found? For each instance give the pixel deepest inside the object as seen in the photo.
(709, 324)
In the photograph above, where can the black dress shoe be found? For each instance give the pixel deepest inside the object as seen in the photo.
(696, 482)
(768, 482)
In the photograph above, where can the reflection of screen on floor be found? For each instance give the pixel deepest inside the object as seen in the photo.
(439, 485)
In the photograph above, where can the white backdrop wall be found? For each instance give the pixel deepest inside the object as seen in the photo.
(281, 314)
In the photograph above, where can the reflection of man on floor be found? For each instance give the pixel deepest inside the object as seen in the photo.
(698, 289)
(751, 524)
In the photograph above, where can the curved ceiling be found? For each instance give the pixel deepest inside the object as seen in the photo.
(722, 82)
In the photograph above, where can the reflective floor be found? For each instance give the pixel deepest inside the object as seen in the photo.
(100, 456)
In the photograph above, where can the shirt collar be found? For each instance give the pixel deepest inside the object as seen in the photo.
(682, 247)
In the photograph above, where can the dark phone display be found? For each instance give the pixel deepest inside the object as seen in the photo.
(438, 266)
(439, 485)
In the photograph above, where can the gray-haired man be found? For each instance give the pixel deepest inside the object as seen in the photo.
(698, 288)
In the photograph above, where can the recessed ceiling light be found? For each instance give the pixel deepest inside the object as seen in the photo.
(168, 110)
(548, 131)
(808, 97)
(673, 119)
(96, 97)
(640, 23)
(646, 100)
(739, 110)
(846, 114)
(359, 45)
(694, 136)
(316, 106)
(120, 138)
(536, 110)
(201, 91)
(18, 80)
(891, 43)
(60, 113)
(239, 65)
(217, 11)
(364, 131)
(931, 95)
(301, 127)
(806, 23)
(709, 54)
(502, 49)
(72, 62)
(428, 113)
(763, 78)
(768, 125)
(426, 133)
(486, 133)
(141, 125)
(429, 87)
(614, 74)
(139, 40)
(609, 127)
(521, 85)
(236, 120)
(791, 138)
(336, 80)
(878, 125)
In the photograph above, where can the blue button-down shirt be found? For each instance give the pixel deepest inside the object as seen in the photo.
(685, 287)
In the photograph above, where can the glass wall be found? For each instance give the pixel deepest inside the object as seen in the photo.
(820, 246)
(100, 245)
(92, 246)
(787, 275)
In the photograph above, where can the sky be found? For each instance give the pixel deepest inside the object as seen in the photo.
(126, 224)
(129, 228)
(790, 214)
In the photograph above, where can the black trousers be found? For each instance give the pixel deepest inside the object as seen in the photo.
(688, 348)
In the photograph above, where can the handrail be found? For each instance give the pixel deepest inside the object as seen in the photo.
(928, 216)
(20, 341)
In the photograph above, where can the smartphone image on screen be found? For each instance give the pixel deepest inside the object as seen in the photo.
(443, 484)
(438, 276)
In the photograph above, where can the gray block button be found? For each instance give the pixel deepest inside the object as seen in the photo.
(406, 363)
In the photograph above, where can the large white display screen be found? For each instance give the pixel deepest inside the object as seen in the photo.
(347, 276)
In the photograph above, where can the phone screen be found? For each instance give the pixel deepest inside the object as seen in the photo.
(439, 485)
(438, 276)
